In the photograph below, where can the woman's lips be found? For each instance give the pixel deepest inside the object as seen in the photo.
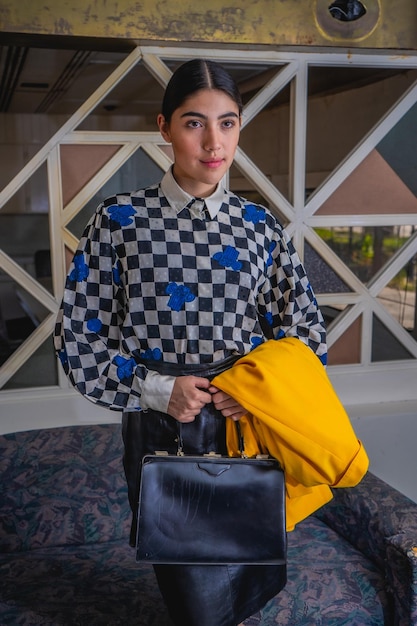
(213, 163)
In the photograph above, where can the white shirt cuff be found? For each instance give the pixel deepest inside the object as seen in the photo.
(156, 391)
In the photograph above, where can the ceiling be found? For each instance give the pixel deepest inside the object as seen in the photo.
(56, 79)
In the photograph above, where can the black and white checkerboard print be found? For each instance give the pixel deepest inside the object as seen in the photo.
(148, 282)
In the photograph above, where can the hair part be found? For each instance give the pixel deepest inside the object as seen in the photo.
(193, 76)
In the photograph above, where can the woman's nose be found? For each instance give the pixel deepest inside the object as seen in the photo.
(211, 140)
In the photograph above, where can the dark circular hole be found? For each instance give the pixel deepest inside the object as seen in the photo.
(347, 10)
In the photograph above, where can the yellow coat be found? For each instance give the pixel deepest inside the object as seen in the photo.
(294, 415)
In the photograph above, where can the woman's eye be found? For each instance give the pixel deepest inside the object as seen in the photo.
(229, 123)
(194, 124)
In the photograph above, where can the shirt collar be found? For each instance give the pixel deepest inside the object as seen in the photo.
(179, 199)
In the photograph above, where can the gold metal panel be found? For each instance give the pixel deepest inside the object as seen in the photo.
(387, 23)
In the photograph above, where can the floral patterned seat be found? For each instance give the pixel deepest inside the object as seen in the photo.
(65, 557)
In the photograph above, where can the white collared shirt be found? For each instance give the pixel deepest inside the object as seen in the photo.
(179, 199)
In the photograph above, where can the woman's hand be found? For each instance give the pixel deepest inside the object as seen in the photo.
(189, 395)
(226, 404)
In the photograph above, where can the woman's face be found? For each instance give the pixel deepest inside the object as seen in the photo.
(204, 133)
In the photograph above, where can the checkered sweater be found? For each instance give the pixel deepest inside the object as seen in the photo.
(149, 283)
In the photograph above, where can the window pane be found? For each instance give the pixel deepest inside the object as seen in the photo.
(366, 249)
(40, 370)
(20, 314)
(385, 346)
(137, 172)
(399, 297)
(349, 101)
(322, 276)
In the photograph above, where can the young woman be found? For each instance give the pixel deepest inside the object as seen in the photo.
(169, 286)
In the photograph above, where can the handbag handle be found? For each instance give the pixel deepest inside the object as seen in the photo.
(241, 441)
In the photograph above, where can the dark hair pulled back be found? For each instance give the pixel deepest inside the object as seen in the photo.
(193, 76)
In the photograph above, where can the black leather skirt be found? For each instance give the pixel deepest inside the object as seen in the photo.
(195, 595)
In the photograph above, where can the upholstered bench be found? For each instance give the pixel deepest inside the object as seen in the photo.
(65, 558)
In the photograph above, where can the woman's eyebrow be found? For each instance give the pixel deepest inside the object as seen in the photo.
(205, 117)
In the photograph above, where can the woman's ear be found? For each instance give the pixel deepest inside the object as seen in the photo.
(163, 128)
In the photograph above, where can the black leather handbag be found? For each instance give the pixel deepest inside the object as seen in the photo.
(211, 509)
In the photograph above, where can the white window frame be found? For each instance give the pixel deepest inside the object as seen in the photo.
(364, 383)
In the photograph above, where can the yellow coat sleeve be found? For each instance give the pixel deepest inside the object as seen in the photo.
(295, 415)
